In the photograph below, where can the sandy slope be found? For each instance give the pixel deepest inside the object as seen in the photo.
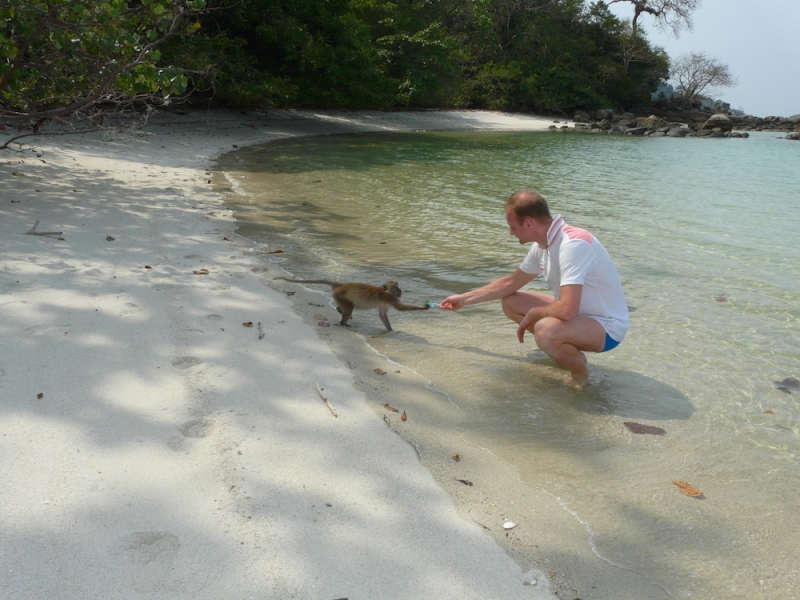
(151, 446)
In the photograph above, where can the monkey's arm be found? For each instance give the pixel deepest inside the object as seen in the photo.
(499, 288)
(404, 307)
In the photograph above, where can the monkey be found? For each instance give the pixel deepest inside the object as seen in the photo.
(364, 296)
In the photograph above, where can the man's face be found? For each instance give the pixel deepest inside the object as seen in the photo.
(519, 228)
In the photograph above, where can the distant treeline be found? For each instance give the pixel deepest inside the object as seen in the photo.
(547, 56)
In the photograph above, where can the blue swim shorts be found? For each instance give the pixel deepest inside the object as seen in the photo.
(610, 344)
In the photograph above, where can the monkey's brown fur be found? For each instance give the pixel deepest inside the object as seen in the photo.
(349, 296)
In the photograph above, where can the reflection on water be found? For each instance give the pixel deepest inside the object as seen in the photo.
(703, 233)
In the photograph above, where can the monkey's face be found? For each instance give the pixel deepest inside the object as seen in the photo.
(392, 287)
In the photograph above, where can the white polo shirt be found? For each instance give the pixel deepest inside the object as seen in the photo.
(575, 256)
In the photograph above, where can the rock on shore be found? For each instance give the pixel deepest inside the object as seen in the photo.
(689, 123)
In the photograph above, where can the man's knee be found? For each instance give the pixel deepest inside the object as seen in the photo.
(511, 309)
(546, 331)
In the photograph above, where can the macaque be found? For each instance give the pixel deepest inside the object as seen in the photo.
(364, 296)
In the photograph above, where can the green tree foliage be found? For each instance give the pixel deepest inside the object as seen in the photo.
(554, 56)
(536, 55)
(539, 55)
(61, 56)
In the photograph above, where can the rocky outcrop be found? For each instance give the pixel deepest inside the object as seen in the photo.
(687, 123)
(718, 122)
(582, 117)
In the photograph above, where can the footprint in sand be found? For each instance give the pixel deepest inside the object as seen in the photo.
(197, 428)
(185, 362)
(153, 554)
(130, 309)
(177, 443)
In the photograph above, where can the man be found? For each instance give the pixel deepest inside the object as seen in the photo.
(588, 312)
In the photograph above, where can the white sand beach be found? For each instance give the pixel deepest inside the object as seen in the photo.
(152, 446)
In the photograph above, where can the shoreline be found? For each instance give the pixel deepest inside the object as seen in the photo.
(549, 537)
(174, 451)
(151, 444)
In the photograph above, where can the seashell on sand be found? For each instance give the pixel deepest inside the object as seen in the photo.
(509, 525)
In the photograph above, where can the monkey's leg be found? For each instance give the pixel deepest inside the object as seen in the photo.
(383, 312)
(346, 309)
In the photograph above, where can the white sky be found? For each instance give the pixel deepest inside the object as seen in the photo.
(757, 39)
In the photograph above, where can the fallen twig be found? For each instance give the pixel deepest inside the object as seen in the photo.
(34, 232)
(260, 331)
(482, 525)
(330, 406)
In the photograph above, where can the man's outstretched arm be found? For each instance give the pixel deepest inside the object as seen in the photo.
(499, 288)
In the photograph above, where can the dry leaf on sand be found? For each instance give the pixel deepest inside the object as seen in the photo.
(464, 481)
(403, 417)
(639, 428)
(686, 489)
(201, 272)
(379, 371)
(278, 251)
(391, 408)
(248, 323)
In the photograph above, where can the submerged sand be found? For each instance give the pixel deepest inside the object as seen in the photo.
(154, 446)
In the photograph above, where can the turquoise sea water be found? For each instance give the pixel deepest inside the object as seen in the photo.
(705, 236)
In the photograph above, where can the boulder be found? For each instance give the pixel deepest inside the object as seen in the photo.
(679, 132)
(604, 113)
(723, 122)
(618, 130)
(651, 122)
(637, 131)
(710, 133)
(581, 117)
(793, 136)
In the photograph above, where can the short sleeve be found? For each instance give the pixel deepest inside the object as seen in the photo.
(576, 260)
(533, 261)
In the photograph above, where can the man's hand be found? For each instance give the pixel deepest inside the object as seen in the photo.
(451, 303)
(526, 322)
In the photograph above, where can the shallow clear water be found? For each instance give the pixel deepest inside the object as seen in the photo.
(704, 234)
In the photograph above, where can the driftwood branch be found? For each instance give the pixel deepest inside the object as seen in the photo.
(327, 402)
(34, 232)
(7, 143)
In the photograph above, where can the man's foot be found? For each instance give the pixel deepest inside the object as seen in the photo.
(578, 382)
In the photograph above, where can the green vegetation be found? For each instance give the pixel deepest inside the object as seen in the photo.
(62, 56)
(58, 57)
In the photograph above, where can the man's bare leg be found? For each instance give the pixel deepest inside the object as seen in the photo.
(563, 341)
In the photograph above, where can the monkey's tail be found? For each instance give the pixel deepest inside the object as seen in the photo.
(333, 284)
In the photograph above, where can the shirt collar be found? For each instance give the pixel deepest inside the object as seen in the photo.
(554, 229)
